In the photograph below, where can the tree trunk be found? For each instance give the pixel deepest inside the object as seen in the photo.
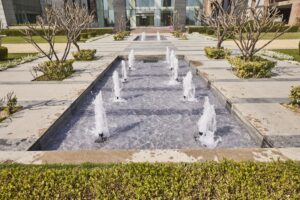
(77, 46)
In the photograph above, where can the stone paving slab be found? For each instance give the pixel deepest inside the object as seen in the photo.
(281, 130)
(260, 89)
(152, 156)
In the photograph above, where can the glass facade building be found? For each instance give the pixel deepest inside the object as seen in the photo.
(145, 12)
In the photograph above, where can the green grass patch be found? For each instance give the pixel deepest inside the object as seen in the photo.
(38, 39)
(268, 36)
(291, 52)
(208, 180)
(283, 37)
(14, 56)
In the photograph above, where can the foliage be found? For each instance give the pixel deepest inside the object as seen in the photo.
(198, 29)
(256, 68)
(84, 36)
(85, 54)
(8, 105)
(299, 47)
(3, 53)
(216, 53)
(208, 180)
(54, 70)
(92, 34)
(121, 35)
(294, 29)
(210, 31)
(179, 34)
(295, 96)
(11, 102)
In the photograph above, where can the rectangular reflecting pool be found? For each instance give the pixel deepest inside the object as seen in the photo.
(152, 116)
(150, 38)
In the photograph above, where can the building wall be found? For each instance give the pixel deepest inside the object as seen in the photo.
(295, 13)
(7, 12)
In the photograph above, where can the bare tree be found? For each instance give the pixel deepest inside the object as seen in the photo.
(121, 24)
(73, 19)
(252, 25)
(47, 27)
(220, 17)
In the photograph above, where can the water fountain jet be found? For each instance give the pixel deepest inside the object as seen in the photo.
(168, 55)
(124, 72)
(117, 88)
(174, 75)
(189, 89)
(101, 125)
(207, 126)
(143, 38)
(131, 60)
(172, 60)
(158, 36)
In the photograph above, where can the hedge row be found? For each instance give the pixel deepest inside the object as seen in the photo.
(97, 31)
(205, 29)
(209, 180)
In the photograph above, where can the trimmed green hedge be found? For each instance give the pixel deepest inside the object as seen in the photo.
(3, 53)
(205, 29)
(96, 31)
(208, 180)
(198, 29)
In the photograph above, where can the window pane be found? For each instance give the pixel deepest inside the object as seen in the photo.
(144, 3)
(166, 3)
(193, 2)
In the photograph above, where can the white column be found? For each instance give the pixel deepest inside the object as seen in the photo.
(131, 10)
(157, 13)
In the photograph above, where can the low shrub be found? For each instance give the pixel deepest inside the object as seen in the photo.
(299, 47)
(295, 96)
(210, 31)
(54, 70)
(85, 54)
(11, 106)
(3, 53)
(93, 34)
(197, 29)
(121, 35)
(180, 35)
(216, 53)
(294, 29)
(207, 180)
(256, 68)
(12, 102)
(84, 36)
